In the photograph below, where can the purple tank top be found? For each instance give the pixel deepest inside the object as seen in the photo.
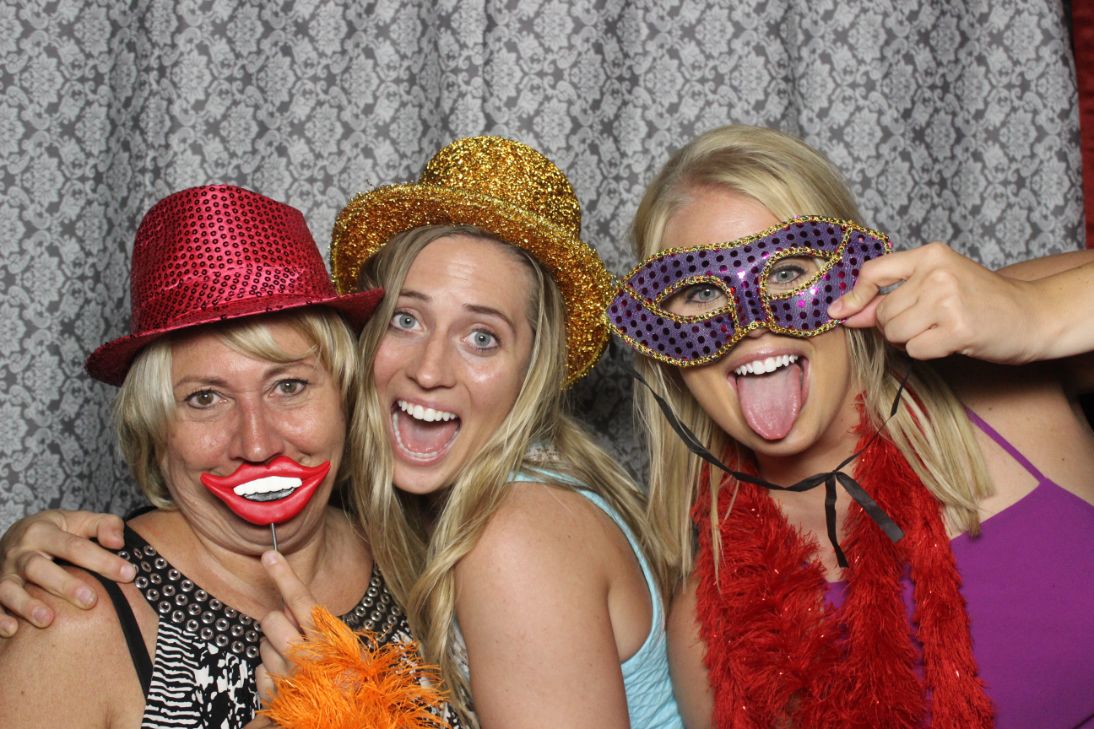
(1028, 583)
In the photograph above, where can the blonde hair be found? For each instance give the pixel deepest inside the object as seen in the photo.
(930, 428)
(417, 547)
(145, 402)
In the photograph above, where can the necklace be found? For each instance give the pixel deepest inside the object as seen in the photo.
(778, 655)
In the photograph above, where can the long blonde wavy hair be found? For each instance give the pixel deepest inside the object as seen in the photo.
(417, 541)
(930, 428)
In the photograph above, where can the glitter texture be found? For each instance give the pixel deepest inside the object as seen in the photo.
(504, 188)
(740, 270)
(218, 252)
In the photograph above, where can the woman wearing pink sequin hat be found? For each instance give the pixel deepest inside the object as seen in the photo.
(234, 390)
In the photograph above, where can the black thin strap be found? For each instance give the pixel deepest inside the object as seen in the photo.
(828, 478)
(133, 639)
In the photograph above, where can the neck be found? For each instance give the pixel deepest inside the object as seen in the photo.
(236, 575)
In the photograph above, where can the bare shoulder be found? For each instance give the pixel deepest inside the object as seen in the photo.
(533, 606)
(538, 522)
(1034, 410)
(44, 673)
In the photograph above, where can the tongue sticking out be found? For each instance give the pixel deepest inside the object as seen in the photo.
(771, 402)
(423, 438)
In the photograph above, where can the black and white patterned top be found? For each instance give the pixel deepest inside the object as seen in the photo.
(203, 670)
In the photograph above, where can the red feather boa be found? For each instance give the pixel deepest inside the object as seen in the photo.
(778, 655)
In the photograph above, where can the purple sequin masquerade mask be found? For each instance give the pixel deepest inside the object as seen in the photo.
(689, 306)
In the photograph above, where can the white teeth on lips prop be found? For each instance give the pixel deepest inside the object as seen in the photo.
(264, 487)
(766, 365)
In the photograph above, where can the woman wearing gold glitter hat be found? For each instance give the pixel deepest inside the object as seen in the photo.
(511, 538)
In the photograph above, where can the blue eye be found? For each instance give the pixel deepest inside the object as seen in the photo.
(696, 299)
(483, 340)
(791, 272)
(702, 294)
(403, 320)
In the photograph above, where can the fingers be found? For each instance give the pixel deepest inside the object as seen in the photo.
(876, 279)
(295, 594)
(265, 685)
(8, 625)
(109, 530)
(65, 535)
(279, 631)
(16, 602)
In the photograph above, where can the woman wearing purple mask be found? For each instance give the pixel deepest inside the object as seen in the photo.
(842, 563)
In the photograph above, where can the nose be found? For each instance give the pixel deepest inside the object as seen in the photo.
(257, 437)
(433, 364)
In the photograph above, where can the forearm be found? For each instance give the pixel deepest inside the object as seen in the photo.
(1063, 302)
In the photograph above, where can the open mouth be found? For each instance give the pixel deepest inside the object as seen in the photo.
(270, 493)
(423, 434)
(771, 391)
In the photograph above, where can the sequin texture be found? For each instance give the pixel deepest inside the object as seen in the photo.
(508, 190)
(217, 252)
(740, 270)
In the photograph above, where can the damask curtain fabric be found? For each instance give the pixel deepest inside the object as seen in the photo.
(952, 121)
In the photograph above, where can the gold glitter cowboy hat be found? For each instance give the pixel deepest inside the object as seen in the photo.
(508, 190)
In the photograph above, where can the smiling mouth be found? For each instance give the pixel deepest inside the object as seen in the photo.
(270, 493)
(422, 433)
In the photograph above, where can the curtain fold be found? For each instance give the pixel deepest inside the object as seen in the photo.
(953, 121)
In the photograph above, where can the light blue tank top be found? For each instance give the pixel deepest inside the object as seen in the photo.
(650, 702)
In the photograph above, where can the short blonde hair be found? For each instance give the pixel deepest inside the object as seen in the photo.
(145, 402)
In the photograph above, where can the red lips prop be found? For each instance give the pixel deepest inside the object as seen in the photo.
(282, 473)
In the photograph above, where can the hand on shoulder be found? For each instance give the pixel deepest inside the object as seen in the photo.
(40, 666)
(27, 551)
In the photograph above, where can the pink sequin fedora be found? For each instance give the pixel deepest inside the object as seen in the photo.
(214, 253)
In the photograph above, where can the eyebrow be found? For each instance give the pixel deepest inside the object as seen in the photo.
(474, 308)
(214, 381)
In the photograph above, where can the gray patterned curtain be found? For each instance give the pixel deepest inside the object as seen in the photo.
(952, 121)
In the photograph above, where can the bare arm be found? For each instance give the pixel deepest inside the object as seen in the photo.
(533, 610)
(27, 551)
(686, 652)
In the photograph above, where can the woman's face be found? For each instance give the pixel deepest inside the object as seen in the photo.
(454, 357)
(776, 395)
(232, 410)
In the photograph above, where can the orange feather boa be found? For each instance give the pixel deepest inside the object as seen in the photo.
(347, 680)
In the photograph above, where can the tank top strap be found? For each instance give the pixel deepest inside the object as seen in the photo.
(1005, 445)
